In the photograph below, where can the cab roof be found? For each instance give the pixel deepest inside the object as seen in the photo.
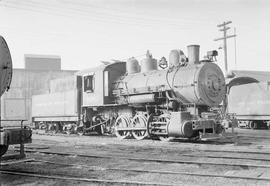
(96, 69)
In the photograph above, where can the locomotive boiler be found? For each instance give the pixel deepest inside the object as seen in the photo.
(142, 101)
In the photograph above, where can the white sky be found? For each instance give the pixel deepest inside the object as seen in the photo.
(84, 32)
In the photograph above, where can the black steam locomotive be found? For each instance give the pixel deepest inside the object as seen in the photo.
(140, 100)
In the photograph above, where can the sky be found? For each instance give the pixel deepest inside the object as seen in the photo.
(85, 32)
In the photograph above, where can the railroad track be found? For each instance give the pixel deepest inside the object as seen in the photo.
(238, 152)
(192, 155)
(31, 150)
(195, 174)
(253, 136)
(248, 133)
(116, 156)
(31, 174)
(88, 180)
(162, 172)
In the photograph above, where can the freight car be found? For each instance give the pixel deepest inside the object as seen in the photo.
(250, 102)
(141, 101)
(9, 135)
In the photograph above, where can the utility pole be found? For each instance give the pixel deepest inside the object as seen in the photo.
(235, 61)
(224, 38)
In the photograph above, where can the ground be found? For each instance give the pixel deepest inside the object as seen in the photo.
(106, 160)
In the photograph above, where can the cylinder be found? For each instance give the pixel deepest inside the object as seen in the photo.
(132, 66)
(180, 125)
(186, 129)
(182, 129)
(193, 54)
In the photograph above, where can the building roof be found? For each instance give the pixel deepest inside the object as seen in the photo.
(247, 76)
(96, 69)
(258, 75)
(89, 70)
(40, 70)
(42, 56)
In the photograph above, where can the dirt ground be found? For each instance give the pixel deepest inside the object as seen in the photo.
(110, 159)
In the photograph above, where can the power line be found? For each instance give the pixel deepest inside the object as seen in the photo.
(121, 13)
(97, 16)
(89, 18)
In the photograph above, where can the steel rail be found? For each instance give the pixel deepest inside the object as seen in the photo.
(227, 151)
(239, 152)
(224, 157)
(199, 150)
(161, 172)
(253, 136)
(14, 162)
(207, 156)
(150, 160)
(90, 180)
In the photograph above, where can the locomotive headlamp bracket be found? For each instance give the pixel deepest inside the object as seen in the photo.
(211, 55)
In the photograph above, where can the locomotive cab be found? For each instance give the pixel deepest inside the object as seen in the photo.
(97, 97)
(98, 83)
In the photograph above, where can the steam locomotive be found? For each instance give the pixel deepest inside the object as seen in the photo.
(143, 101)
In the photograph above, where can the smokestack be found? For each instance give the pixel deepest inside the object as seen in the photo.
(193, 54)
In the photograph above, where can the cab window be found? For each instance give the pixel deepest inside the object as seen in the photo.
(88, 83)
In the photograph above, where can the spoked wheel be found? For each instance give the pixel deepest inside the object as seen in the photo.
(252, 125)
(139, 121)
(54, 128)
(70, 128)
(121, 123)
(164, 120)
(43, 126)
(3, 149)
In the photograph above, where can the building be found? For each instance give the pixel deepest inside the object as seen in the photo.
(33, 79)
(42, 62)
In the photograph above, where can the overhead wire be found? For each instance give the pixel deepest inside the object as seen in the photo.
(128, 14)
(100, 17)
(88, 20)
(97, 16)
(46, 12)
